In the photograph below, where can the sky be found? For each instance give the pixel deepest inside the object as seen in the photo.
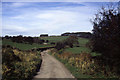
(53, 18)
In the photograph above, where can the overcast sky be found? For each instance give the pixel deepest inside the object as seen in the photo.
(54, 18)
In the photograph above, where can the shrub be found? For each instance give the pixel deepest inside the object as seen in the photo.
(67, 42)
(19, 65)
(59, 45)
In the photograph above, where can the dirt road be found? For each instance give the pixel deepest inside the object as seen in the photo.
(52, 68)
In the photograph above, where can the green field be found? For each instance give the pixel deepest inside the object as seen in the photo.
(81, 48)
(74, 50)
(83, 41)
(23, 46)
(78, 50)
(54, 38)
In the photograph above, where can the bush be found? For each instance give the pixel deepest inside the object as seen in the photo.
(19, 65)
(59, 45)
(67, 42)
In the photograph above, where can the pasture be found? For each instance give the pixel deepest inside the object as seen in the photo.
(23, 46)
(75, 50)
(54, 38)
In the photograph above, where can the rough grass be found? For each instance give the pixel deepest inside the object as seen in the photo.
(83, 65)
(23, 46)
(74, 70)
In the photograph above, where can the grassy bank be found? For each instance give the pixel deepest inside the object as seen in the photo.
(84, 66)
(74, 70)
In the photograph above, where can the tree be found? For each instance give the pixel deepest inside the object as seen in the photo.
(106, 32)
(70, 41)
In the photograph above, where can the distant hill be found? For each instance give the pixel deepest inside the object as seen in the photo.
(79, 34)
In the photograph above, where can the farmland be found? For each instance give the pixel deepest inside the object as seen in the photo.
(75, 50)
(78, 59)
(54, 38)
(23, 46)
(81, 48)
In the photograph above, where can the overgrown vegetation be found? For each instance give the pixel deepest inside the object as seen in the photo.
(84, 65)
(106, 36)
(19, 65)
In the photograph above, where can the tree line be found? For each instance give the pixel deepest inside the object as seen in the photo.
(29, 39)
